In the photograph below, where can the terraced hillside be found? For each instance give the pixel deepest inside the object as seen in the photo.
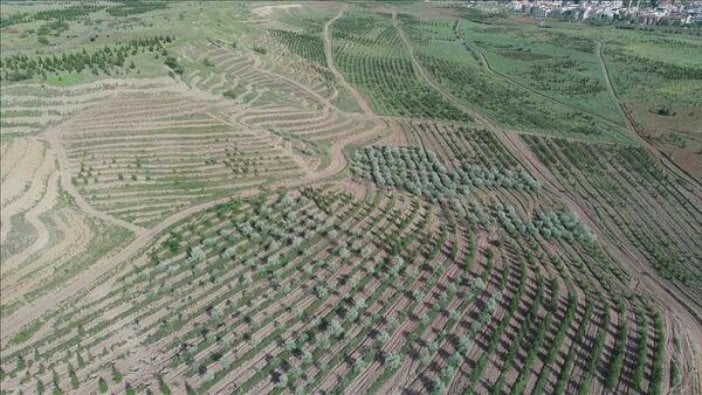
(127, 153)
(353, 198)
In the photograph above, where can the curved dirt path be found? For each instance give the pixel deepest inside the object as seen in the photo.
(47, 202)
(360, 100)
(53, 136)
(30, 179)
(76, 234)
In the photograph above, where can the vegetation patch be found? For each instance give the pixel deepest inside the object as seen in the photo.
(421, 173)
(22, 67)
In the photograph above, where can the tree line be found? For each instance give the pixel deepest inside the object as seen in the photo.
(22, 67)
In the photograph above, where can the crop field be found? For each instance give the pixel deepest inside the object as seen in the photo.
(370, 53)
(346, 198)
(261, 294)
(622, 180)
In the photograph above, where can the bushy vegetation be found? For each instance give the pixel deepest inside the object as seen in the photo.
(173, 64)
(307, 46)
(230, 94)
(134, 7)
(549, 224)
(421, 173)
(506, 103)
(644, 66)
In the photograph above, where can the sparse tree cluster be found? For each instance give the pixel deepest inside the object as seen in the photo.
(307, 46)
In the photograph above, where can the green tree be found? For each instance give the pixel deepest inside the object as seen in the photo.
(102, 385)
(75, 384)
(116, 374)
(40, 387)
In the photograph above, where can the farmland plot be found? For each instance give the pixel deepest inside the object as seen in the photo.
(371, 55)
(340, 198)
(655, 212)
(124, 165)
(466, 75)
(275, 284)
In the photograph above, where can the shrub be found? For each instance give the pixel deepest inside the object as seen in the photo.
(102, 385)
(229, 94)
(173, 64)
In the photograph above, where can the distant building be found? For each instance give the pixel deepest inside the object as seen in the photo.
(668, 11)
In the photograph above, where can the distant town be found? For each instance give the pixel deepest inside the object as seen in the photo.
(646, 12)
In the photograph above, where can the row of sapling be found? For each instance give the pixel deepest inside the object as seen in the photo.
(594, 353)
(322, 333)
(558, 339)
(420, 172)
(392, 267)
(466, 342)
(477, 287)
(391, 81)
(496, 334)
(521, 338)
